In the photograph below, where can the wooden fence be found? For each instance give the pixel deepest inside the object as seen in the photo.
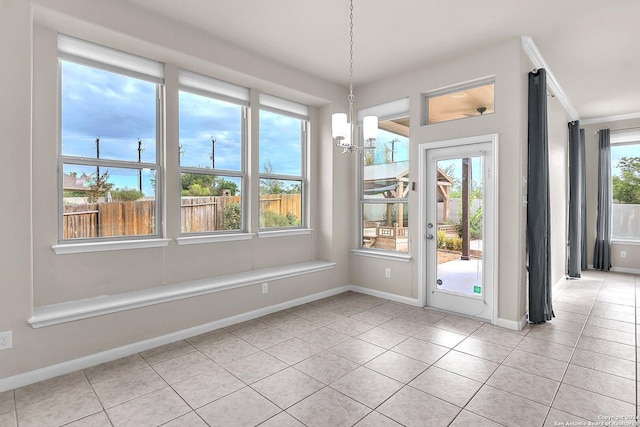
(282, 204)
(201, 214)
(116, 218)
(138, 218)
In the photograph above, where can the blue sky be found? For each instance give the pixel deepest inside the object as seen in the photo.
(620, 151)
(401, 147)
(120, 110)
(280, 143)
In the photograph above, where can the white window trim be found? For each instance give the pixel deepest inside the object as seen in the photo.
(110, 245)
(472, 84)
(93, 55)
(283, 232)
(301, 112)
(206, 86)
(213, 238)
(387, 111)
(623, 137)
(382, 254)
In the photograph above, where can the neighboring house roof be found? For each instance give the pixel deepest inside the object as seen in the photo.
(76, 183)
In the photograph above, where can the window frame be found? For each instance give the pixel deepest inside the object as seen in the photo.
(82, 52)
(297, 111)
(473, 84)
(392, 110)
(621, 139)
(225, 94)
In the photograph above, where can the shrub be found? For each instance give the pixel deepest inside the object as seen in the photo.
(440, 236)
(475, 225)
(126, 194)
(270, 219)
(453, 243)
(232, 216)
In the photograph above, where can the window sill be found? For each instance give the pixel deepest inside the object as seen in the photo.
(196, 240)
(282, 233)
(114, 245)
(83, 309)
(402, 257)
(626, 242)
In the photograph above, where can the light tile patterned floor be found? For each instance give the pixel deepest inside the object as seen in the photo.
(354, 359)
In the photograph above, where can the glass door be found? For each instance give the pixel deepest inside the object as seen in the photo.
(459, 203)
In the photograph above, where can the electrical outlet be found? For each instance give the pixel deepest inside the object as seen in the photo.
(5, 340)
(623, 254)
(387, 273)
(265, 288)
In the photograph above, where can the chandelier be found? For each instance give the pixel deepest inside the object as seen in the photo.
(343, 127)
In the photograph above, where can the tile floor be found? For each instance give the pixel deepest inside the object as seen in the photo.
(354, 359)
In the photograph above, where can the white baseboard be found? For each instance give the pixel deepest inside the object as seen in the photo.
(52, 371)
(625, 270)
(380, 294)
(620, 269)
(512, 324)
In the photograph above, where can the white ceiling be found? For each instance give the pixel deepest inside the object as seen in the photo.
(592, 46)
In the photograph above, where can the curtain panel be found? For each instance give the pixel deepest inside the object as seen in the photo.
(538, 216)
(583, 207)
(602, 250)
(575, 200)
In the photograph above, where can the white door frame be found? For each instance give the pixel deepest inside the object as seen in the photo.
(422, 212)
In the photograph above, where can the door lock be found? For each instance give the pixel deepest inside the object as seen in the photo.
(429, 236)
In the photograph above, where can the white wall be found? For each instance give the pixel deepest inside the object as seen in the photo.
(503, 61)
(558, 120)
(632, 262)
(33, 275)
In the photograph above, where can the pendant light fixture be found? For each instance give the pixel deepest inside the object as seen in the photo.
(343, 126)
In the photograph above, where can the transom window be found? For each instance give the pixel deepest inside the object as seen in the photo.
(460, 102)
(109, 142)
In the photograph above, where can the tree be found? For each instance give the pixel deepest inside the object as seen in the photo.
(626, 188)
(206, 185)
(126, 194)
(382, 154)
(455, 192)
(270, 185)
(99, 186)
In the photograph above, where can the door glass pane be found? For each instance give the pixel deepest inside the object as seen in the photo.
(460, 225)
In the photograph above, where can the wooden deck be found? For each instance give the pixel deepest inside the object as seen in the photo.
(394, 238)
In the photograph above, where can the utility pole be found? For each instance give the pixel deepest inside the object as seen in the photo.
(140, 150)
(213, 153)
(97, 157)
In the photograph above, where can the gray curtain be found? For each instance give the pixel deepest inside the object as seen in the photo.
(602, 250)
(583, 173)
(575, 201)
(538, 247)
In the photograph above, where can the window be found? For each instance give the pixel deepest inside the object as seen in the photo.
(625, 183)
(110, 171)
(385, 181)
(459, 102)
(283, 141)
(212, 145)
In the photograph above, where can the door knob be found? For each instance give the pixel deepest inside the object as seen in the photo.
(429, 236)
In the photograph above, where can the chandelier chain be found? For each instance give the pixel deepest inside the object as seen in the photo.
(351, 98)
